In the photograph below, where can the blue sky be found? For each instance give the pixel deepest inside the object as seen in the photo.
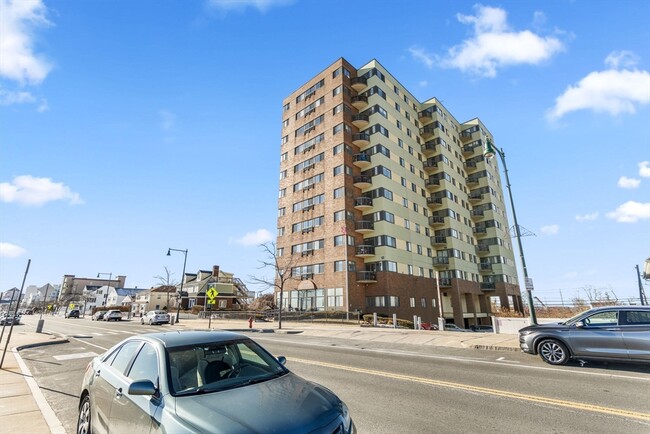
(128, 127)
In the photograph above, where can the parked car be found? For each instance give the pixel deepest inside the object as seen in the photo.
(613, 333)
(113, 315)
(203, 382)
(99, 315)
(10, 319)
(74, 313)
(155, 317)
(482, 328)
(454, 328)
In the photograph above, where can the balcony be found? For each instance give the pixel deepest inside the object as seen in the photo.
(362, 181)
(475, 197)
(366, 277)
(307, 252)
(361, 139)
(363, 203)
(432, 183)
(430, 166)
(434, 202)
(307, 230)
(365, 251)
(358, 83)
(482, 248)
(480, 230)
(485, 266)
(306, 276)
(488, 286)
(428, 149)
(360, 120)
(364, 226)
(359, 101)
(427, 132)
(478, 213)
(436, 220)
(468, 150)
(472, 180)
(441, 260)
(361, 160)
(445, 282)
(465, 137)
(439, 240)
(425, 116)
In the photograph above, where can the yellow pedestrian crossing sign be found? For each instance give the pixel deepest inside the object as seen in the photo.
(212, 293)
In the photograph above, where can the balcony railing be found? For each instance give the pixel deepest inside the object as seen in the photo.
(434, 201)
(436, 220)
(428, 148)
(439, 239)
(363, 226)
(360, 139)
(360, 120)
(488, 286)
(485, 266)
(358, 83)
(425, 116)
(441, 260)
(365, 250)
(445, 282)
(359, 101)
(427, 132)
(366, 277)
(362, 181)
(482, 248)
(363, 202)
(361, 160)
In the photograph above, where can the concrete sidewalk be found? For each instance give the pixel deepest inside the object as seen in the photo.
(24, 408)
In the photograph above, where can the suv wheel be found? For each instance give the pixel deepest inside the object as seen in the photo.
(553, 352)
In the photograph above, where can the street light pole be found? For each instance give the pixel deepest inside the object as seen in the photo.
(180, 296)
(488, 153)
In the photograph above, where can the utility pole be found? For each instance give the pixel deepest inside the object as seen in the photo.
(644, 301)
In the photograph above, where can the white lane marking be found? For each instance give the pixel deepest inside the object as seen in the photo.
(89, 343)
(76, 356)
(458, 359)
(503, 359)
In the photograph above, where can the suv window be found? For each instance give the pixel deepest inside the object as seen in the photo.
(602, 319)
(636, 317)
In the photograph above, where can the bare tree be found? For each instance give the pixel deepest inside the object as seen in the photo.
(281, 273)
(167, 281)
(263, 302)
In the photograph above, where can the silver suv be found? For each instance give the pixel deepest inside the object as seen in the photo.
(612, 333)
(113, 315)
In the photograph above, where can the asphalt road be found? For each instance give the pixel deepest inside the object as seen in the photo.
(399, 388)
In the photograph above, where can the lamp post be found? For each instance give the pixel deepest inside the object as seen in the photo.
(488, 153)
(180, 296)
(110, 276)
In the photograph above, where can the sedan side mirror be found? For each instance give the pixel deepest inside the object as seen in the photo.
(282, 360)
(142, 387)
(580, 324)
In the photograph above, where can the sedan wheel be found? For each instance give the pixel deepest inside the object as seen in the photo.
(150, 322)
(141, 321)
(553, 352)
(83, 422)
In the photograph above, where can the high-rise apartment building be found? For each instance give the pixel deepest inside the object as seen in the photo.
(387, 205)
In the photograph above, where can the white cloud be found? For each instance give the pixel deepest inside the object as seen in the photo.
(625, 59)
(8, 97)
(494, 45)
(625, 182)
(587, 217)
(630, 212)
(261, 5)
(43, 106)
(612, 91)
(167, 120)
(421, 55)
(423, 83)
(644, 169)
(18, 22)
(255, 238)
(8, 250)
(550, 229)
(28, 190)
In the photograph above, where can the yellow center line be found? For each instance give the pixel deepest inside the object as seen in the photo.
(485, 390)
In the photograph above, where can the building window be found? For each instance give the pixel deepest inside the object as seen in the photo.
(410, 270)
(339, 266)
(337, 149)
(408, 249)
(281, 212)
(283, 193)
(280, 251)
(338, 170)
(423, 302)
(339, 192)
(283, 174)
(287, 106)
(285, 123)
(283, 157)
(339, 215)
(339, 240)
(412, 301)
(280, 231)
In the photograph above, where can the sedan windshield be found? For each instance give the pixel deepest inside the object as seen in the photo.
(211, 367)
